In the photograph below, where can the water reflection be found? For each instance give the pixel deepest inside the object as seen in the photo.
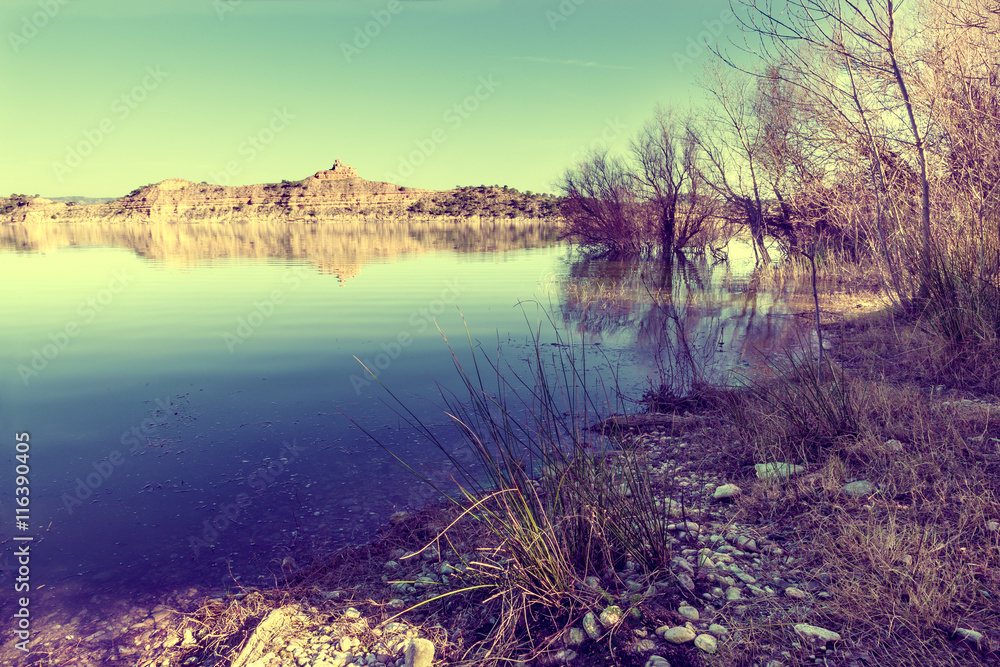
(334, 248)
(694, 321)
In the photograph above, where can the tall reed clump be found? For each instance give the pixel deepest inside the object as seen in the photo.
(804, 407)
(961, 314)
(556, 501)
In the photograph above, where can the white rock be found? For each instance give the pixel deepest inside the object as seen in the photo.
(894, 445)
(733, 593)
(419, 652)
(727, 491)
(590, 626)
(812, 633)
(858, 489)
(706, 643)
(690, 526)
(796, 593)
(776, 470)
(611, 616)
(992, 526)
(689, 612)
(678, 635)
(970, 635)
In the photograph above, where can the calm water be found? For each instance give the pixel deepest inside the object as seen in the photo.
(187, 388)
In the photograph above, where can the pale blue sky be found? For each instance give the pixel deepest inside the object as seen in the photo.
(102, 96)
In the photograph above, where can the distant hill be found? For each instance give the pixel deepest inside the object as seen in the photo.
(330, 194)
(490, 201)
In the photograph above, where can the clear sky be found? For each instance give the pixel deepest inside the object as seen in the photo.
(103, 96)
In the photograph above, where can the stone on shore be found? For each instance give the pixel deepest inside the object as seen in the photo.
(727, 491)
(706, 643)
(812, 633)
(419, 652)
(777, 470)
(676, 635)
(858, 489)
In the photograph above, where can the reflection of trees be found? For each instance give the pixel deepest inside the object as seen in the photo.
(693, 321)
(336, 248)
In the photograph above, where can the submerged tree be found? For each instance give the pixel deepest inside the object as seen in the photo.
(649, 200)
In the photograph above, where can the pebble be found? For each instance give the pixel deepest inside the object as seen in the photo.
(727, 491)
(419, 652)
(688, 612)
(611, 616)
(733, 594)
(775, 470)
(676, 635)
(813, 633)
(590, 626)
(858, 489)
(796, 593)
(970, 635)
(657, 661)
(685, 580)
(706, 643)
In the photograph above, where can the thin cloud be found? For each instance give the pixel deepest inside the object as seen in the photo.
(574, 63)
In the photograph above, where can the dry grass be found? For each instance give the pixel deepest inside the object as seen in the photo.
(914, 561)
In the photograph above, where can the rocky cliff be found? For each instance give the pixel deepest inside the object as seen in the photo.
(314, 198)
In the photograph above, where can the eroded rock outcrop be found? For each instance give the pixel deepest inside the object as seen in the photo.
(336, 192)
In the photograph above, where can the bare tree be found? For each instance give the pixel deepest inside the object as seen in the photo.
(601, 206)
(862, 48)
(650, 199)
(730, 139)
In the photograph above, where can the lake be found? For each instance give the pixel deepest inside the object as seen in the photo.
(189, 389)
